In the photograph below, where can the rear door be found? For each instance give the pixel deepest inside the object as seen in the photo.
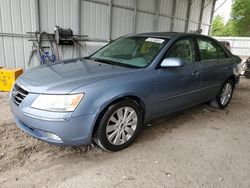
(214, 64)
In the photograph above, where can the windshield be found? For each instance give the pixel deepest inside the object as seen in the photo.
(130, 51)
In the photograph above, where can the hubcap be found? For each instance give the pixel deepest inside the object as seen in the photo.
(121, 125)
(226, 94)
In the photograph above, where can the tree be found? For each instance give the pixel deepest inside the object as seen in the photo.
(239, 23)
(230, 29)
(241, 18)
(218, 27)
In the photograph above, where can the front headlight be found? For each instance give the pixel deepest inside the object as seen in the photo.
(60, 103)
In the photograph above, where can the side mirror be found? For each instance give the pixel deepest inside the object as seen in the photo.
(172, 62)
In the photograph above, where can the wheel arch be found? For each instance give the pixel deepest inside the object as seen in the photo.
(103, 109)
(231, 77)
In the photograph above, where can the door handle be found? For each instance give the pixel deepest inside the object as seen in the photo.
(196, 73)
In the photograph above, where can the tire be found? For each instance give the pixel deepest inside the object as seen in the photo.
(114, 133)
(224, 96)
(247, 74)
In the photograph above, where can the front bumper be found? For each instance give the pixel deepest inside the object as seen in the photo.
(59, 128)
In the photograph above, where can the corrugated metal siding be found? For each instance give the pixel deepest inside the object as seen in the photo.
(20, 16)
(164, 23)
(146, 5)
(206, 15)
(207, 11)
(121, 24)
(6, 12)
(145, 22)
(146, 16)
(126, 3)
(17, 28)
(2, 51)
(195, 10)
(205, 28)
(239, 45)
(179, 25)
(193, 26)
(180, 15)
(166, 7)
(181, 10)
(63, 13)
(17, 17)
(94, 20)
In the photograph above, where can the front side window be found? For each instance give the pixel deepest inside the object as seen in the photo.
(130, 51)
(184, 49)
(210, 50)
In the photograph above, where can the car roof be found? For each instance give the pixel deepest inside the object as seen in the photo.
(166, 35)
(170, 35)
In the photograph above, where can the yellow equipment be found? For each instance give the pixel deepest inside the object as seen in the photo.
(8, 77)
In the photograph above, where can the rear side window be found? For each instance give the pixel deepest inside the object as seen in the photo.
(210, 50)
(184, 49)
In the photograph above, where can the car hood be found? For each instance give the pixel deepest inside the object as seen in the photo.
(68, 75)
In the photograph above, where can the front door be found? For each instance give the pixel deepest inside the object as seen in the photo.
(177, 88)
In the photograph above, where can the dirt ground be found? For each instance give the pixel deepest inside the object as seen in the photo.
(199, 147)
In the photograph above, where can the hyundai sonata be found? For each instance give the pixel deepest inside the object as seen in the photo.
(108, 96)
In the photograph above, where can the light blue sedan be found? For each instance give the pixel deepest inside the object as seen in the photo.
(108, 96)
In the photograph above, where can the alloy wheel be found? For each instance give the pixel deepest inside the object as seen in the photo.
(121, 125)
(226, 93)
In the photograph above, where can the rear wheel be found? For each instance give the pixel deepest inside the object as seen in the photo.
(247, 74)
(224, 96)
(118, 126)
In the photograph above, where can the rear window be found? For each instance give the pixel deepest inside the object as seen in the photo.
(210, 50)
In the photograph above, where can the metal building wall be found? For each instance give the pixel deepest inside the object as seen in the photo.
(16, 17)
(64, 13)
(101, 20)
(239, 45)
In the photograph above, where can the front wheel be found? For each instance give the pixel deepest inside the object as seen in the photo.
(118, 126)
(225, 95)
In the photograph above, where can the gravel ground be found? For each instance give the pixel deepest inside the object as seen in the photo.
(199, 147)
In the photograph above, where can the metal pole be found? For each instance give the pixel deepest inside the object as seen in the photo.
(110, 20)
(201, 13)
(79, 24)
(15, 35)
(188, 15)
(135, 16)
(173, 15)
(156, 21)
(211, 17)
(39, 15)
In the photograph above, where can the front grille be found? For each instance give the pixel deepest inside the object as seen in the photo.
(18, 94)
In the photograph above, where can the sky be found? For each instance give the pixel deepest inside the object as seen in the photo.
(224, 10)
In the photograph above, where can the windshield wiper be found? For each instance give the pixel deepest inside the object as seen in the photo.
(105, 61)
(113, 62)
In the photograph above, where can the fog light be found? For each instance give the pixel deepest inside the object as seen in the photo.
(53, 136)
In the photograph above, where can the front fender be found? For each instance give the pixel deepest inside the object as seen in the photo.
(99, 95)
